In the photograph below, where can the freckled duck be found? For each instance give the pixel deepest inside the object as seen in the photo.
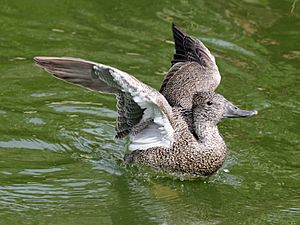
(159, 134)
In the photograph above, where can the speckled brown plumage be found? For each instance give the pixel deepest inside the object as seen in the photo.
(193, 70)
(188, 156)
(175, 130)
(184, 80)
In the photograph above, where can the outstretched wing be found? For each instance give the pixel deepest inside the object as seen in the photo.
(189, 49)
(141, 108)
(193, 70)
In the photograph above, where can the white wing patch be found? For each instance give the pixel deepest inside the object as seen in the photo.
(152, 136)
(159, 133)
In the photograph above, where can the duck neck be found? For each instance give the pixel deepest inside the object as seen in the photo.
(208, 134)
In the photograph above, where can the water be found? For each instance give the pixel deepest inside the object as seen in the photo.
(59, 161)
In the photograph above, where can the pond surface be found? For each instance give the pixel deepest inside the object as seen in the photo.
(59, 160)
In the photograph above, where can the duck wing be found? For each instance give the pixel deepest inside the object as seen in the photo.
(189, 49)
(193, 70)
(143, 113)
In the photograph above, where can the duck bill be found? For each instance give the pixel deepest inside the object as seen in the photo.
(234, 112)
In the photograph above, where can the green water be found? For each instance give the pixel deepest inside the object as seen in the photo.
(59, 161)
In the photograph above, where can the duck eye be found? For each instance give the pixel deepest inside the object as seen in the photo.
(209, 103)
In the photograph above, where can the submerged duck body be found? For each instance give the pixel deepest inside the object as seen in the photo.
(164, 131)
(187, 156)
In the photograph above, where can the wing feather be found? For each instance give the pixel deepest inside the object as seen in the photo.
(189, 49)
(137, 103)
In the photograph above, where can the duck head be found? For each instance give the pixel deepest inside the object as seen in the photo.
(213, 107)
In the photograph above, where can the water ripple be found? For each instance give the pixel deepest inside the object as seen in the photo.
(84, 108)
(229, 45)
(35, 144)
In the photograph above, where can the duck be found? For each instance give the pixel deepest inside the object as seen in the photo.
(176, 136)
